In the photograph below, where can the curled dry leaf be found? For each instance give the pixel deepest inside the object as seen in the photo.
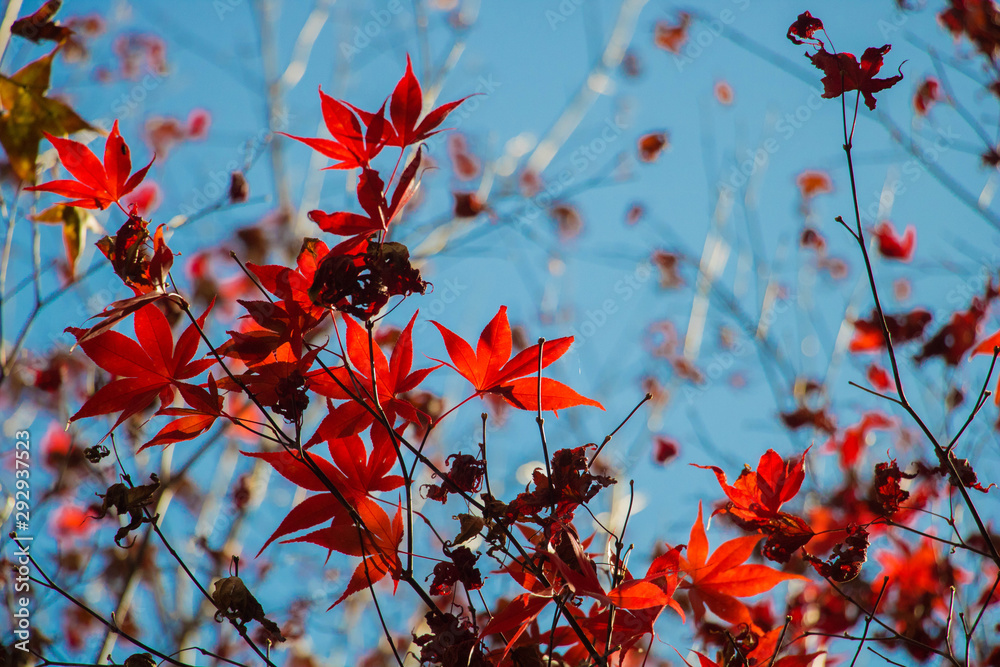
(39, 26)
(140, 660)
(462, 568)
(239, 189)
(237, 603)
(467, 205)
(471, 525)
(845, 563)
(804, 29)
(128, 500)
(887, 494)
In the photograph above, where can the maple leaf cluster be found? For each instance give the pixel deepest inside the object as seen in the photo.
(358, 276)
(842, 71)
(270, 361)
(756, 498)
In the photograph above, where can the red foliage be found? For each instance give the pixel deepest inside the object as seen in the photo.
(491, 370)
(958, 336)
(756, 498)
(651, 145)
(852, 442)
(927, 95)
(146, 367)
(842, 71)
(665, 449)
(813, 182)
(672, 36)
(97, 185)
(378, 415)
(868, 336)
(717, 581)
(893, 246)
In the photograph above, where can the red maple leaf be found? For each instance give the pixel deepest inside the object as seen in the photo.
(767, 648)
(903, 328)
(392, 378)
(842, 72)
(516, 616)
(763, 654)
(293, 284)
(353, 472)
(268, 325)
(879, 377)
(350, 146)
(716, 581)
(378, 546)
(205, 406)
(151, 367)
(265, 329)
(638, 602)
(893, 246)
(761, 493)
(955, 338)
(278, 381)
(656, 589)
(756, 498)
(491, 370)
(855, 438)
(406, 105)
(919, 578)
(97, 185)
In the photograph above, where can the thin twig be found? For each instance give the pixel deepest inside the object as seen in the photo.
(868, 619)
(539, 419)
(608, 437)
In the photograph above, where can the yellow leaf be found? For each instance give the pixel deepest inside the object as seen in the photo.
(27, 114)
(75, 222)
